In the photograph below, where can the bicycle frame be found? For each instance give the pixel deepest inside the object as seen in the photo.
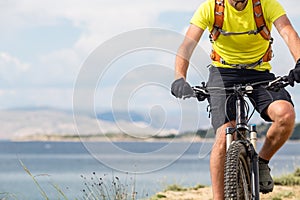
(241, 128)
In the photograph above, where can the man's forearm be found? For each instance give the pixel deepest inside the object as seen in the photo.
(293, 41)
(289, 35)
(183, 56)
(185, 51)
(181, 67)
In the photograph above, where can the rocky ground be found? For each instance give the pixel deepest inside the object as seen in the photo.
(279, 193)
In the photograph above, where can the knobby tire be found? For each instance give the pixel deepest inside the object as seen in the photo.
(237, 179)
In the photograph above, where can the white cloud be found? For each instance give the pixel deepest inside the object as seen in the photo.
(98, 21)
(58, 68)
(11, 68)
(23, 97)
(9, 62)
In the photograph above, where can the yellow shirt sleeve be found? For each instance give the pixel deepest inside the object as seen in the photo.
(272, 10)
(204, 16)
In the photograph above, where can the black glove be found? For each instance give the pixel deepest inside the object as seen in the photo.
(180, 88)
(294, 74)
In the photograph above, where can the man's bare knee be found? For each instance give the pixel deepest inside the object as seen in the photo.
(282, 112)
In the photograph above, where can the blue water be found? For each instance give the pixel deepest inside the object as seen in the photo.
(149, 166)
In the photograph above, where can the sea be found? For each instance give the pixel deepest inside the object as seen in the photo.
(69, 170)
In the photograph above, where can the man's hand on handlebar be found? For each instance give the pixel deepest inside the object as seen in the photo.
(294, 74)
(180, 88)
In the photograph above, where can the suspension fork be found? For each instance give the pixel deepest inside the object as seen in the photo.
(254, 163)
(241, 121)
(254, 170)
(241, 125)
(229, 136)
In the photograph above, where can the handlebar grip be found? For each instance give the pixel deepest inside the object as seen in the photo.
(285, 78)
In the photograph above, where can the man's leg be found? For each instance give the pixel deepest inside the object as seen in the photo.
(217, 161)
(283, 116)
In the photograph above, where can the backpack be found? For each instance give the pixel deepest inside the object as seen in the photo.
(260, 25)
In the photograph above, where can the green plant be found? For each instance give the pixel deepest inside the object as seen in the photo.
(289, 179)
(43, 193)
(102, 188)
(276, 198)
(175, 187)
(161, 196)
(95, 188)
(199, 186)
(283, 195)
(297, 172)
(7, 195)
(158, 196)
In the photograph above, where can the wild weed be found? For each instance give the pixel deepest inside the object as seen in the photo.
(105, 188)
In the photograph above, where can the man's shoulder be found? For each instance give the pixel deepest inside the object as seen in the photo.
(269, 3)
(207, 6)
(272, 9)
(204, 16)
(209, 3)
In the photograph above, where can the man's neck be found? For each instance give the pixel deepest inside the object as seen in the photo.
(238, 4)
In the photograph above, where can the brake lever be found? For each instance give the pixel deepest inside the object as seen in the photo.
(189, 96)
(278, 83)
(200, 90)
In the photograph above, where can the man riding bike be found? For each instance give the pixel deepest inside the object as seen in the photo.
(241, 42)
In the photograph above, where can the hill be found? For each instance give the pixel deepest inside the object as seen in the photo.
(261, 130)
(55, 124)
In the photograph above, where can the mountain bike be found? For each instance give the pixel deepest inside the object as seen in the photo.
(241, 171)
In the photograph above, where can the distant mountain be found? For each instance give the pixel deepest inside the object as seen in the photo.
(296, 134)
(261, 128)
(121, 116)
(39, 108)
(26, 123)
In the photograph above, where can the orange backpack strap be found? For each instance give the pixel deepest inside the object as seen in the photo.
(260, 20)
(258, 17)
(261, 28)
(219, 19)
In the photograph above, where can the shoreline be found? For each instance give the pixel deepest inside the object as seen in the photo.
(117, 138)
(120, 138)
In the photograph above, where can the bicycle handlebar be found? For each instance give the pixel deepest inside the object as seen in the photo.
(279, 82)
(203, 92)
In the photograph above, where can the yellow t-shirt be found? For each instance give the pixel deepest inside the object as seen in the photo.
(239, 49)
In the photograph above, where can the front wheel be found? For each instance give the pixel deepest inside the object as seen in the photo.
(237, 181)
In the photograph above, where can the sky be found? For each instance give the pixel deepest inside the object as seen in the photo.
(46, 46)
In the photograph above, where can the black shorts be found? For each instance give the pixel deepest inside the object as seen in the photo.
(260, 97)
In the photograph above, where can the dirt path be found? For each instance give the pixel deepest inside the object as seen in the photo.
(279, 193)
